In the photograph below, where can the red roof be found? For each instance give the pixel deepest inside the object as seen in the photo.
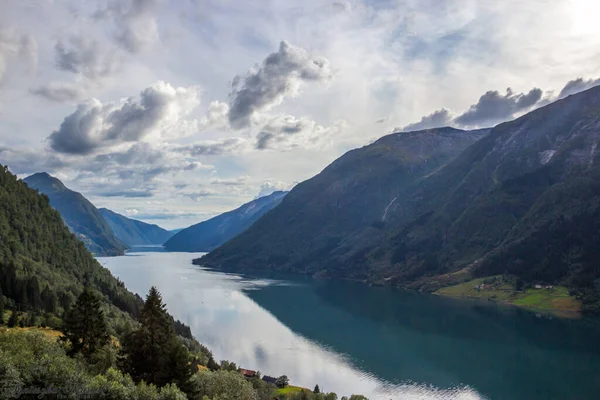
(248, 373)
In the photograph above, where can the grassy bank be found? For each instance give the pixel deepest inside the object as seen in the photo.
(496, 289)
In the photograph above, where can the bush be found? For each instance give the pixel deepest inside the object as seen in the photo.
(222, 385)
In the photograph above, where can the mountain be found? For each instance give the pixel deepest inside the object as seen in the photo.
(212, 233)
(522, 200)
(42, 264)
(81, 216)
(321, 219)
(133, 232)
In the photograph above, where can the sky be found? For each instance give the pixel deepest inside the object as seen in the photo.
(173, 111)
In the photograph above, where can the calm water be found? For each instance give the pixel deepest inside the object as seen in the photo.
(351, 338)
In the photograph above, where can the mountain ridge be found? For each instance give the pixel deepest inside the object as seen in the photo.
(133, 232)
(210, 234)
(79, 214)
(528, 187)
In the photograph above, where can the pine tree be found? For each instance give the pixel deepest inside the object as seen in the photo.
(153, 352)
(49, 300)
(14, 319)
(84, 326)
(316, 389)
(31, 319)
(1, 307)
(212, 364)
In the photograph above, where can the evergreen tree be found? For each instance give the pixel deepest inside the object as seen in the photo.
(49, 300)
(33, 293)
(1, 307)
(316, 389)
(212, 364)
(153, 352)
(13, 320)
(282, 381)
(31, 319)
(84, 326)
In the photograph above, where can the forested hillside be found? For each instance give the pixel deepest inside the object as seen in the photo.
(524, 200)
(43, 267)
(81, 216)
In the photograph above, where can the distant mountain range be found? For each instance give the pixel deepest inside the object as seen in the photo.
(81, 216)
(435, 207)
(212, 233)
(133, 232)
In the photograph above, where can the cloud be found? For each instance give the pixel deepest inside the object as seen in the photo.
(213, 147)
(239, 181)
(139, 172)
(15, 47)
(577, 85)
(131, 193)
(27, 161)
(199, 195)
(272, 186)
(62, 91)
(85, 56)
(493, 107)
(165, 214)
(284, 132)
(280, 75)
(135, 21)
(158, 111)
(216, 115)
(436, 119)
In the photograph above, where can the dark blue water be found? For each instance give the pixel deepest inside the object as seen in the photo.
(384, 343)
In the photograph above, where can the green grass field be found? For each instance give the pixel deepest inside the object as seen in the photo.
(557, 298)
(290, 389)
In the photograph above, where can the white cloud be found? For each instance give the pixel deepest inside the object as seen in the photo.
(135, 22)
(279, 76)
(15, 46)
(391, 61)
(159, 111)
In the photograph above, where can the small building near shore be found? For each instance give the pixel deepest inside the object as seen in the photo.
(269, 379)
(248, 373)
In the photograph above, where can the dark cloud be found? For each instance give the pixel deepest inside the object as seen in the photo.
(81, 55)
(61, 91)
(25, 161)
(278, 128)
(493, 107)
(436, 119)
(279, 75)
(577, 85)
(135, 21)
(215, 148)
(131, 193)
(94, 125)
(284, 132)
(199, 195)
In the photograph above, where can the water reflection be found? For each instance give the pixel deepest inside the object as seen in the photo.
(350, 338)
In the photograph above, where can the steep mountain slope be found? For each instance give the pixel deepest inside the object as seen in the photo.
(525, 199)
(320, 220)
(133, 232)
(42, 264)
(43, 267)
(81, 216)
(212, 233)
